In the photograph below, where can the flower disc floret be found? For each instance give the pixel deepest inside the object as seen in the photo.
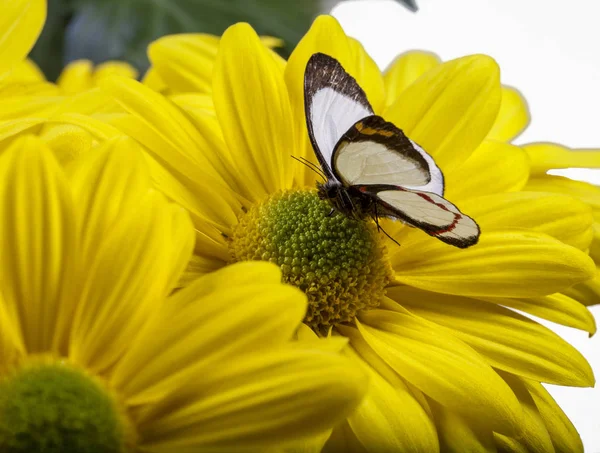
(55, 407)
(340, 263)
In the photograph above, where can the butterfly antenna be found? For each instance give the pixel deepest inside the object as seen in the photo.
(310, 165)
(315, 167)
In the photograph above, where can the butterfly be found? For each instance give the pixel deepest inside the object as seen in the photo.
(371, 168)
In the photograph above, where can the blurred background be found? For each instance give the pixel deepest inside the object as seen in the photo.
(548, 49)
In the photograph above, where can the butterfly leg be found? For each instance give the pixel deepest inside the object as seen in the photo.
(331, 212)
(379, 227)
(377, 219)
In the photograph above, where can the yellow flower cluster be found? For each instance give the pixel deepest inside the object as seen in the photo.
(170, 282)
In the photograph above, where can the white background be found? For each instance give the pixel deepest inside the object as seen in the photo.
(548, 49)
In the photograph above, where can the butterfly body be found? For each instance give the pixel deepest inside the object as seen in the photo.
(372, 168)
(347, 200)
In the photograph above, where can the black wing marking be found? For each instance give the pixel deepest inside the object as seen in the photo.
(333, 102)
(374, 151)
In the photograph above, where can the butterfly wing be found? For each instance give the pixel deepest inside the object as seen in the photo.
(374, 151)
(427, 211)
(333, 102)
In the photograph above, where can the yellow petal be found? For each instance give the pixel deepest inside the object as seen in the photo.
(586, 293)
(192, 102)
(76, 77)
(562, 217)
(587, 193)
(265, 400)
(10, 88)
(404, 70)
(208, 314)
(26, 72)
(167, 133)
(507, 444)
(327, 36)
(38, 243)
(200, 266)
(458, 434)
(492, 168)
(450, 109)
(389, 417)
(557, 308)
(20, 25)
(118, 68)
(22, 106)
(107, 184)
(547, 156)
(562, 432)
(10, 129)
(441, 366)
(11, 340)
(245, 273)
(533, 434)
(98, 129)
(184, 62)
(213, 216)
(503, 264)
(153, 81)
(505, 339)
(253, 107)
(513, 116)
(595, 245)
(309, 445)
(129, 276)
(67, 141)
(343, 439)
(371, 79)
(87, 102)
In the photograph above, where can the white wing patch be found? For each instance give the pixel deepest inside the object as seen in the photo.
(332, 113)
(434, 215)
(436, 184)
(370, 162)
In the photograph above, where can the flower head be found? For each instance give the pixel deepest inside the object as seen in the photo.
(96, 356)
(450, 364)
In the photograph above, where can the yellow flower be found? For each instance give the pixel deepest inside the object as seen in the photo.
(451, 367)
(96, 356)
(81, 75)
(513, 118)
(184, 63)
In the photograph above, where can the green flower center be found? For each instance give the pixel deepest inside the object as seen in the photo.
(340, 263)
(50, 406)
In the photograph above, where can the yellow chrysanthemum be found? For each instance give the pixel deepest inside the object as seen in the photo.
(512, 120)
(452, 368)
(94, 354)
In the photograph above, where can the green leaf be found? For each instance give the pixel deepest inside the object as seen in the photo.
(48, 50)
(102, 30)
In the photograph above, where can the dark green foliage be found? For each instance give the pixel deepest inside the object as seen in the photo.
(101, 30)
